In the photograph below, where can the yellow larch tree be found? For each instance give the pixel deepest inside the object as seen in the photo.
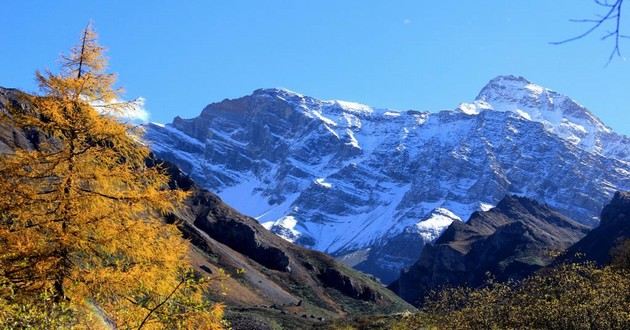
(82, 240)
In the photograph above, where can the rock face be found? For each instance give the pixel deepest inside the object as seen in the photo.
(10, 137)
(351, 180)
(510, 241)
(612, 230)
(224, 225)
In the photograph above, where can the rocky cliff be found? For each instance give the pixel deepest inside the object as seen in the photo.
(372, 186)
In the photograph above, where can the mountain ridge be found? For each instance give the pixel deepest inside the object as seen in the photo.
(598, 244)
(510, 241)
(345, 178)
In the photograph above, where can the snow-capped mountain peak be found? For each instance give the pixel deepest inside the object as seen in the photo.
(326, 106)
(559, 114)
(280, 92)
(342, 177)
(510, 93)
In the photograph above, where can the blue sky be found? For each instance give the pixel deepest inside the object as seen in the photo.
(424, 55)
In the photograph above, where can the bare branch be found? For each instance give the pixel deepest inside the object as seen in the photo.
(613, 14)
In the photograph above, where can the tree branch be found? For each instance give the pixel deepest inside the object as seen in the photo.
(146, 318)
(613, 14)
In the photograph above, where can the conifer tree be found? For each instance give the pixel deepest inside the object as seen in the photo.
(82, 243)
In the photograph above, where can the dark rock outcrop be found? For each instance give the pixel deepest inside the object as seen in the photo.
(612, 230)
(511, 241)
(10, 136)
(333, 278)
(242, 235)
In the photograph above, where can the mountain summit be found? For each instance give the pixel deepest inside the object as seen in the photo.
(558, 113)
(374, 185)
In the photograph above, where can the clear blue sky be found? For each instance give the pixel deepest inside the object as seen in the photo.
(415, 54)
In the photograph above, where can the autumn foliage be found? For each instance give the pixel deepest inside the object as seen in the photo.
(569, 296)
(82, 241)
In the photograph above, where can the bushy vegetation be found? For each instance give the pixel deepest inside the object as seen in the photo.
(82, 239)
(569, 296)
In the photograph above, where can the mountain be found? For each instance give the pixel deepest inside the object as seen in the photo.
(10, 137)
(372, 186)
(271, 282)
(613, 229)
(559, 114)
(510, 241)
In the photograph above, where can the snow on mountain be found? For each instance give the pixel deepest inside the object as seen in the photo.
(432, 226)
(558, 113)
(343, 177)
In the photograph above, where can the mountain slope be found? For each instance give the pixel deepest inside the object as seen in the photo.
(512, 240)
(613, 229)
(273, 282)
(359, 182)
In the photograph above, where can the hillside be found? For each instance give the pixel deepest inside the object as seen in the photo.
(510, 241)
(613, 229)
(271, 281)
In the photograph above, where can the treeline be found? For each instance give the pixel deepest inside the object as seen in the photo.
(83, 243)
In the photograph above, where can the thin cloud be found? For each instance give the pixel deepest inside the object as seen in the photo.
(133, 111)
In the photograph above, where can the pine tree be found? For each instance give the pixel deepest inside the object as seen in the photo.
(82, 242)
